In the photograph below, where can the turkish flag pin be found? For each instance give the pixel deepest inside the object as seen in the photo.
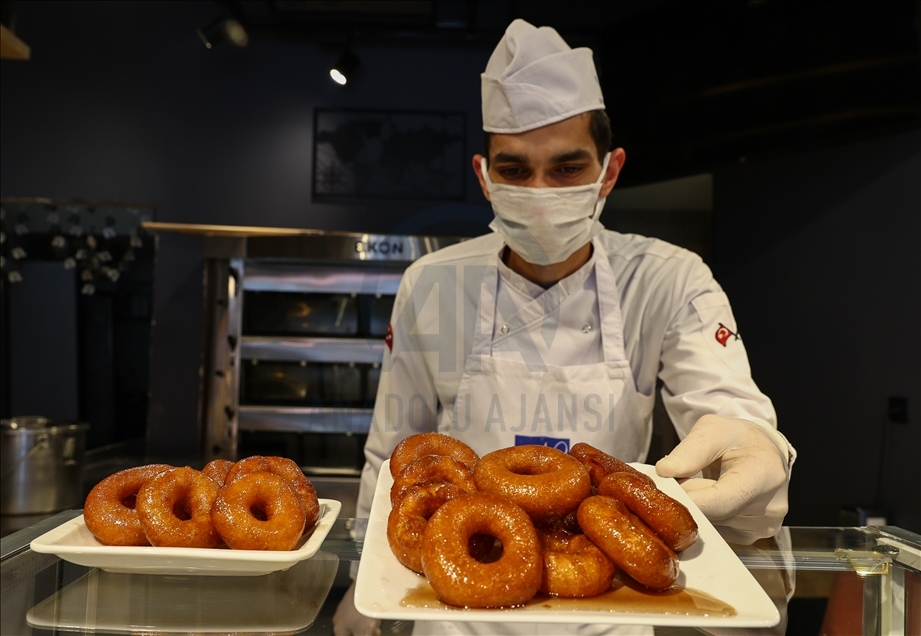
(388, 339)
(723, 334)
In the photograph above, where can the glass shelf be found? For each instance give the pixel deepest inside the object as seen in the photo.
(824, 580)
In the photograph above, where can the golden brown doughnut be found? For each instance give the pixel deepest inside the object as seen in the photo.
(457, 577)
(600, 464)
(430, 469)
(258, 511)
(628, 542)
(574, 567)
(668, 518)
(570, 523)
(175, 509)
(410, 515)
(217, 470)
(109, 510)
(544, 481)
(416, 446)
(288, 470)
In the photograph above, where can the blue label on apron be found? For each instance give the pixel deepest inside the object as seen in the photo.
(553, 442)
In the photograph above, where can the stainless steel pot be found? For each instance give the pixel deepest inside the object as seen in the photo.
(41, 465)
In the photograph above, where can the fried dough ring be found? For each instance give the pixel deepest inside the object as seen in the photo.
(600, 464)
(175, 509)
(110, 508)
(430, 469)
(258, 511)
(457, 577)
(544, 481)
(628, 542)
(668, 518)
(409, 517)
(217, 470)
(288, 470)
(574, 567)
(416, 446)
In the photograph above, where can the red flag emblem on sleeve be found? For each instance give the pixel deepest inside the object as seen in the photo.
(723, 334)
(388, 339)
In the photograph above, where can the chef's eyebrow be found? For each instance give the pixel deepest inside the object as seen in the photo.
(580, 154)
(507, 157)
(573, 155)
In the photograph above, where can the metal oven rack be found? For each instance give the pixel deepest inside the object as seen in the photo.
(342, 264)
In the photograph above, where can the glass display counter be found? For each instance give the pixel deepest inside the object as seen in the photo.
(832, 581)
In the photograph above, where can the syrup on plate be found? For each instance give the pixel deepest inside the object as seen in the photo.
(624, 596)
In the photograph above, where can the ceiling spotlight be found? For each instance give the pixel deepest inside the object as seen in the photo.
(222, 28)
(345, 68)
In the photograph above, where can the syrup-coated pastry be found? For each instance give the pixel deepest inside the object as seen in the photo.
(628, 542)
(574, 567)
(175, 509)
(416, 446)
(600, 464)
(430, 469)
(546, 482)
(410, 515)
(668, 518)
(288, 470)
(258, 511)
(109, 510)
(217, 470)
(460, 579)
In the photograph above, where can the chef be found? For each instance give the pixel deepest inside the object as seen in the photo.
(552, 330)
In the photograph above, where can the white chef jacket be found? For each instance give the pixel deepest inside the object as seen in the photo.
(677, 326)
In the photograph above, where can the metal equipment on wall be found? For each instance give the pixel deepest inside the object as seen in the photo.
(295, 336)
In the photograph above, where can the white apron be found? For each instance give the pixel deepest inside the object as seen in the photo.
(500, 403)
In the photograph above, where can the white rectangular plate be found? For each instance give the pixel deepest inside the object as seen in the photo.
(280, 602)
(72, 541)
(709, 566)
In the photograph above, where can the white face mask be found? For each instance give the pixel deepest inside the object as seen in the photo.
(546, 225)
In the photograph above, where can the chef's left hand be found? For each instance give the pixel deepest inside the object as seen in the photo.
(744, 488)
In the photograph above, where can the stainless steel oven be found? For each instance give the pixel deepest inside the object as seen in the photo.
(295, 336)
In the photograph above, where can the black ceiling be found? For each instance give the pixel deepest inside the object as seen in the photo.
(691, 85)
(688, 84)
(447, 21)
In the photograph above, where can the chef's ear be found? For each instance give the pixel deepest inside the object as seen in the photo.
(478, 170)
(615, 163)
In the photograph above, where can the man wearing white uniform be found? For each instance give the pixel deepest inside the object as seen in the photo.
(552, 330)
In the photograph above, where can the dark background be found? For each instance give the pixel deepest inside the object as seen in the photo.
(806, 114)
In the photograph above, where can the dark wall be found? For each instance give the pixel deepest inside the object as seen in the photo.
(46, 293)
(122, 101)
(820, 254)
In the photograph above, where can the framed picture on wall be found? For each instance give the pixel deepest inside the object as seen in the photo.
(388, 154)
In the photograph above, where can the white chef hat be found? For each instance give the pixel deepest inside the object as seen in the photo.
(534, 78)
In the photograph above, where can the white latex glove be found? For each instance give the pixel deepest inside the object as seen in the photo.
(746, 474)
(347, 621)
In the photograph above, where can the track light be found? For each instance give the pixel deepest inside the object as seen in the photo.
(345, 68)
(222, 28)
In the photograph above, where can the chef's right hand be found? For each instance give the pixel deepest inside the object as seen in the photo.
(748, 499)
(347, 621)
